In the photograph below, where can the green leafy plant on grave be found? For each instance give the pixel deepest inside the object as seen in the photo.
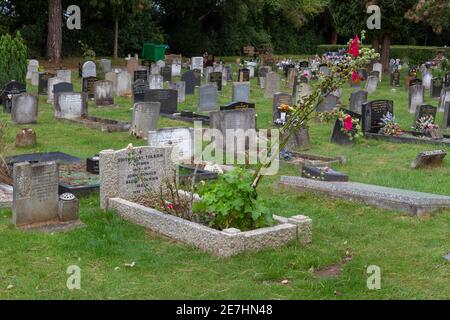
(231, 202)
(13, 59)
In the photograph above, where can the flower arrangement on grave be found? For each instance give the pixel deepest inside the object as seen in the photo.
(389, 126)
(425, 124)
(284, 111)
(349, 126)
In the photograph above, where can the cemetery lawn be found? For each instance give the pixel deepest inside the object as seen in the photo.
(346, 235)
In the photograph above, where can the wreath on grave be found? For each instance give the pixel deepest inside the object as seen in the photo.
(350, 126)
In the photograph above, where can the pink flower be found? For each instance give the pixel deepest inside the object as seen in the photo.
(348, 123)
(354, 47)
(170, 206)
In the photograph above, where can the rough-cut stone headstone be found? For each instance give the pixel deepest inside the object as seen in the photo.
(272, 84)
(373, 112)
(104, 93)
(35, 193)
(123, 84)
(241, 91)
(71, 105)
(371, 84)
(416, 97)
(429, 159)
(280, 98)
(167, 97)
(24, 108)
(120, 172)
(180, 139)
(357, 99)
(207, 100)
(89, 69)
(145, 118)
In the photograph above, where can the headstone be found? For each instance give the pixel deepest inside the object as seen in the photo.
(414, 81)
(272, 85)
(145, 118)
(180, 139)
(50, 90)
(35, 79)
(26, 138)
(237, 105)
(120, 171)
(180, 86)
(328, 104)
(189, 79)
(324, 69)
(167, 97)
(35, 198)
(197, 63)
(89, 69)
(106, 65)
(244, 75)
(446, 120)
(123, 84)
(426, 79)
(66, 75)
(71, 105)
(301, 92)
(378, 67)
(140, 74)
(33, 66)
(112, 76)
(9, 90)
(371, 84)
(176, 70)
(89, 86)
(357, 99)
(132, 65)
(216, 77)
(395, 78)
(229, 72)
(140, 87)
(167, 73)
(445, 97)
(24, 108)
(224, 77)
(375, 74)
(373, 112)
(208, 71)
(60, 88)
(291, 76)
(262, 73)
(429, 159)
(280, 98)
(447, 78)
(241, 91)
(156, 82)
(155, 69)
(104, 93)
(339, 136)
(207, 98)
(436, 87)
(424, 110)
(416, 97)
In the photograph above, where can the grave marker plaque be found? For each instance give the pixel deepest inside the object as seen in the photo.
(167, 97)
(373, 112)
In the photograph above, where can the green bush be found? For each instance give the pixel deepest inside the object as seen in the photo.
(13, 59)
(410, 54)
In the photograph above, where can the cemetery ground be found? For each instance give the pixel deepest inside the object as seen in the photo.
(119, 260)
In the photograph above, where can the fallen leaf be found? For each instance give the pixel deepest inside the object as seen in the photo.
(285, 281)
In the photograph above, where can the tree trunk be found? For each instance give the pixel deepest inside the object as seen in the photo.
(386, 51)
(376, 45)
(116, 38)
(334, 37)
(54, 37)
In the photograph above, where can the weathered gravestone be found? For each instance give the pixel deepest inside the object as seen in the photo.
(180, 139)
(166, 73)
(446, 120)
(89, 69)
(328, 104)
(207, 100)
(426, 79)
(262, 73)
(436, 87)
(371, 84)
(373, 112)
(120, 172)
(155, 69)
(43, 82)
(145, 118)
(208, 71)
(342, 136)
(272, 85)
(378, 67)
(176, 69)
(422, 111)
(197, 63)
(291, 77)
(9, 90)
(123, 84)
(24, 108)
(280, 98)
(189, 79)
(428, 159)
(244, 75)
(216, 78)
(445, 97)
(357, 99)
(89, 86)
(66, 75)
(156, 82)
(395, 78)
(241, 91)
(104, 95)
(301, 92)
(140, 74)
(35, 79)
(51, 88)
(167, 97)
(112, 76)
(416, 97)
(106, 65)
(132, 65)
(197, 77)
(140, 87)
(33, 66)
(180, 86)
(71, 105)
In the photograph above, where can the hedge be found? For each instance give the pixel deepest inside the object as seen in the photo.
(411, 54)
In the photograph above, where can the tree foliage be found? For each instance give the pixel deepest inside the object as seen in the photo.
(13, 58)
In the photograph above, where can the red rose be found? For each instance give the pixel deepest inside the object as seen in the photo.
(348, 123)
(354, 47)
(355, 76)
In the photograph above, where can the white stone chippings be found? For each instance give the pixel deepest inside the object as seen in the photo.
(221, 243)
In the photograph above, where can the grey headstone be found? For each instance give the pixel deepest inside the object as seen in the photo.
(35, 79)
(24, 108)
(371, 84)
(51, 82)
(180, 86)
(207, 100)
(71, 105)
(241, 91)
(280, 98)
(123, 84)
(189, 79)
(357, 99)
(106, 65)
(180, 139)
(272, 84)
(429, 159)
(89, 69)
(446, 120)
(445, 97)
(379, 68)
(33, 66)
(416, 97)
(145, 118)
(104, 95)
(65, 74)
(156, 82)
(167, 97)
(329, 103)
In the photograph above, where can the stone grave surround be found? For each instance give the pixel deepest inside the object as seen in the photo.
(120, 172)
(180, 139)
(24, 108)
(36, 202)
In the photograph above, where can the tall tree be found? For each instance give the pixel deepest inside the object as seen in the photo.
(435, 13)
(54, 37)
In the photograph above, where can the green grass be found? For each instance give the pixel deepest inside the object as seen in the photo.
(408, 250)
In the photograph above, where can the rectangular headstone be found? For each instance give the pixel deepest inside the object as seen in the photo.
(180, 139)
(123, 85)
(416, 97)
(207, 100)
(371, 84)
(357, 99)
(373, 112)
(379, 68)
(145, 118)
(66, 75)
(24, 108)
(141, 73)
(189, 80)
(272, 85)
(156, 82)
(89, 86)
(167, 97)
(180, 86)
(71, 105)
(166, 73)
(244, 75)
(280, 98)
(104, 93)
(50, 90)
(216, 78)
(436, 87)
(446, 120)
(241, 91)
